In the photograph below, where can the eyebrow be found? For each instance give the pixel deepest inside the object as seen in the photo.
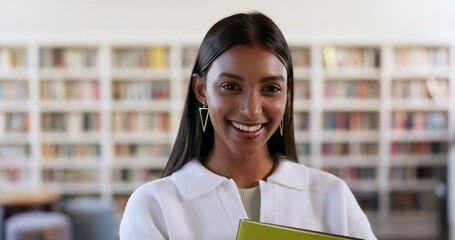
(240, 78)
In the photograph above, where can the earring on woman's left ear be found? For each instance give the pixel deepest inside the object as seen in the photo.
(204, 115)
(281, 128)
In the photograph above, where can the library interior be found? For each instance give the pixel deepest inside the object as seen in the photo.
(92, 93)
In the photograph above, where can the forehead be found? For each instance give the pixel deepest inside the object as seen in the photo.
(245, 58)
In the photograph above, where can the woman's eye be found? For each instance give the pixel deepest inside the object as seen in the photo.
(230, 86)
(272, 88)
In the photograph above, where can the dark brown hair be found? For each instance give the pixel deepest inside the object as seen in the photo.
(239, 29)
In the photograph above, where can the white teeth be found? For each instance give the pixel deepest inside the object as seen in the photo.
(247, 128)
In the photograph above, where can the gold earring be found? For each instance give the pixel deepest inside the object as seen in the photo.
(281, 128)
(204, 115)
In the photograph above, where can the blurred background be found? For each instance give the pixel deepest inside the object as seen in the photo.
(91, 94)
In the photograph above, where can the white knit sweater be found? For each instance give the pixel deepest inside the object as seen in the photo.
(195, 203)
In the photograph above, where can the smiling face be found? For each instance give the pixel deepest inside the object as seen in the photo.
(246, 91)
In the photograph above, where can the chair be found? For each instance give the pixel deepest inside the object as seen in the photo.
(92, 218)
(37, 225)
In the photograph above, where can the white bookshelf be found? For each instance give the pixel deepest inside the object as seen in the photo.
(137, 109)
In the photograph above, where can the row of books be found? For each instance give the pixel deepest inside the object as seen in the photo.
(429, 88)
(135, 175)
(13, 90)
(300, 57)
(421, 57)
(412, 201)
(70, 90)
(352, 172)
(69, 58)
(14, 151)
(140, 122)
(189, 56)
(302, 89)
(70, 176)
(361, 89)
(120, 201)
(141, 90)
(13, 175)
(12, 58)
(78, 150)
(414, 173)
(350, 121)
(404, 120)
(303, 149)
(420, 148)
(362, 148)
(350, 57)
(14, 122)
(145, 57)
(368, 201)
(71, 122)
(141, 150)
(301, 121)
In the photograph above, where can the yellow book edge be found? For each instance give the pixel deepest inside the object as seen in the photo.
(249, 230)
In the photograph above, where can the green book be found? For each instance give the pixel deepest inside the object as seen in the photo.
(252, 230)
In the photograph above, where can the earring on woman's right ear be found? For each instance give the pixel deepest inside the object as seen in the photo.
(204, 115)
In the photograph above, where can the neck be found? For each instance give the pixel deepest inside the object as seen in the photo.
(246, 171)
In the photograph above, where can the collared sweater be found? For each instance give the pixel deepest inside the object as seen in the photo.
(195, 203)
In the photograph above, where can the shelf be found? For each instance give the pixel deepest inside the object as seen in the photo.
(418, 160)
(15, 138)
(139, 162)
(301, 136)
(70, 163)
(354, 105)
(142, 106)
(140, 73)
(126, 188)
(13, 74)
(14, 162)
(70, 106)
(141, 137)
(406, 225)
(301, 105)
(352, 74)
(68, 73)
(69, 137)
(75, 188)
(420, 72)
(363, 185)
(14, 106)
(420, 105)
(349, 161)
(301, 73)
(350, 136)
(13, 186)
(412, 185)
(350, 102)
(419, 135)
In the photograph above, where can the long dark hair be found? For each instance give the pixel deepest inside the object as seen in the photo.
(245, 29)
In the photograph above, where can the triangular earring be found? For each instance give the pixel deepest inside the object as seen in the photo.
(281, 128)
(204, 115)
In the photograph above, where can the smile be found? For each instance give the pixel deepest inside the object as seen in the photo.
(245, 128)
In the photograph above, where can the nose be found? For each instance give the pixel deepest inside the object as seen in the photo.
(251, 105)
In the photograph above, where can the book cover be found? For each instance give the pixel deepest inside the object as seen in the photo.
(249, 230)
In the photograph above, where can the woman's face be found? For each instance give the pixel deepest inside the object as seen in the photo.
(246, 92)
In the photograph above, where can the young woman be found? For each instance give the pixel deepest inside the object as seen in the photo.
(234, 156)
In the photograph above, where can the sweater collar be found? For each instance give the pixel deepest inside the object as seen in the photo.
(194, 180)
(290, 174)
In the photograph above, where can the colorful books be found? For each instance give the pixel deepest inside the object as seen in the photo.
(249, 230)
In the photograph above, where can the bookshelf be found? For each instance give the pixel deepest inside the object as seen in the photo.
(100, 119)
